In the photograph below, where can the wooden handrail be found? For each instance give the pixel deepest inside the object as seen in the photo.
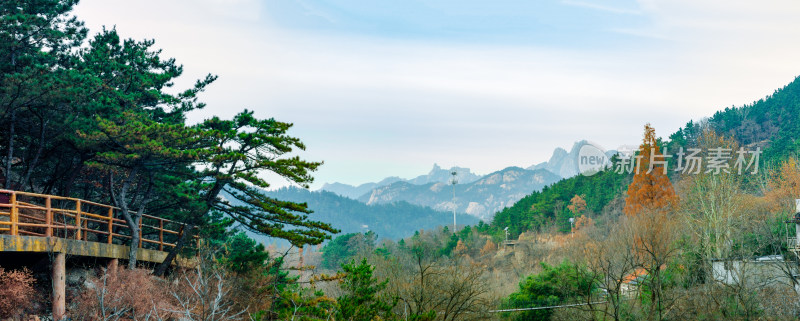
(36, 214)
(72, 199)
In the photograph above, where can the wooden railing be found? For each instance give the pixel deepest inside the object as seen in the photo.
(33, 214)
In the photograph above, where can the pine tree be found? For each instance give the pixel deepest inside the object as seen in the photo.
(141, 157)
(361, 300)
(99, 119)
(241, 150)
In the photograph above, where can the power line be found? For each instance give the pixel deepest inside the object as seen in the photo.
(547, 307)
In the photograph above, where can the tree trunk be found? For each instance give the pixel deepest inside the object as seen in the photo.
(32, 164)
(134, 222)
(185, 236)
(132, 219)
(134, 246)
(10, 153)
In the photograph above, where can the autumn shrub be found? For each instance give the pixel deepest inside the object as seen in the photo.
(488, 248)
(125, 295)
(16, 292)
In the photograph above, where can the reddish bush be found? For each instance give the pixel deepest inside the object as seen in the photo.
(16, 292)
(126, 295)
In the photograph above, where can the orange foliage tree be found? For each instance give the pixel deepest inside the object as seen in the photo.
(488, 248)
(650, 188)
(783, 186)
(577, 206)
(461, 248)
(583, 222)
(650, 194)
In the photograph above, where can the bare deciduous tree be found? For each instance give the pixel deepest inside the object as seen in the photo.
(204, 296)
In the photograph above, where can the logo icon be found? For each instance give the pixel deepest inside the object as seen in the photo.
(592, 158)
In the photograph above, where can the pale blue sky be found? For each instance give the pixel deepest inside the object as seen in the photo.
(386, 88)
(570, 24)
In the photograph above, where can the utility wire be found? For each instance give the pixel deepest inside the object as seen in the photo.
(547, 307)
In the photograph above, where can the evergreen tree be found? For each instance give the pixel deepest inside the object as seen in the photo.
(241, 150)
(98, 120)
(37, 85)
(139, 156)
(554, 285)
(243, 254)
(361, 300)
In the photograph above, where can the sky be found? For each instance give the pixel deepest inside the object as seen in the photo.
(379, 88)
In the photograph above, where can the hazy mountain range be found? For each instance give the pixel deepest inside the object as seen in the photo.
(436, 175)
(563, 163)
(477, 195)
(395, 207)
(480, 198)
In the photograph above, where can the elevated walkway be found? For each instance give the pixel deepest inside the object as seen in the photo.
(30, 214)
(64, 226)
(39, 244)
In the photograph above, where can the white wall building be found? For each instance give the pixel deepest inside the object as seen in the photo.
(765, 270)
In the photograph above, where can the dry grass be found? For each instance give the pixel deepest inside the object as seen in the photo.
(16, 291)
(126, 295)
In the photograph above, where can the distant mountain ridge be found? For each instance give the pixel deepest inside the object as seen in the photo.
(436, 175)
(563, 163)
(481, 198)
(354, 192)
(440, 175)
(477, 195)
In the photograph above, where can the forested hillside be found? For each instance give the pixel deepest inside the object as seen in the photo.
(393, 221)
(772, 123)
(549, 206)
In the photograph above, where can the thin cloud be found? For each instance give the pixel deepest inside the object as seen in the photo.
(644, 33)
(600, 7)
(311, 10)
(376, 106)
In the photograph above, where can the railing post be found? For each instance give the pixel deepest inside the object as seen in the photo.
(110, 225)
(160, 234)
(78, 219)
(49, 216)
(141, 219)
(180, 234)
(14, 214)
